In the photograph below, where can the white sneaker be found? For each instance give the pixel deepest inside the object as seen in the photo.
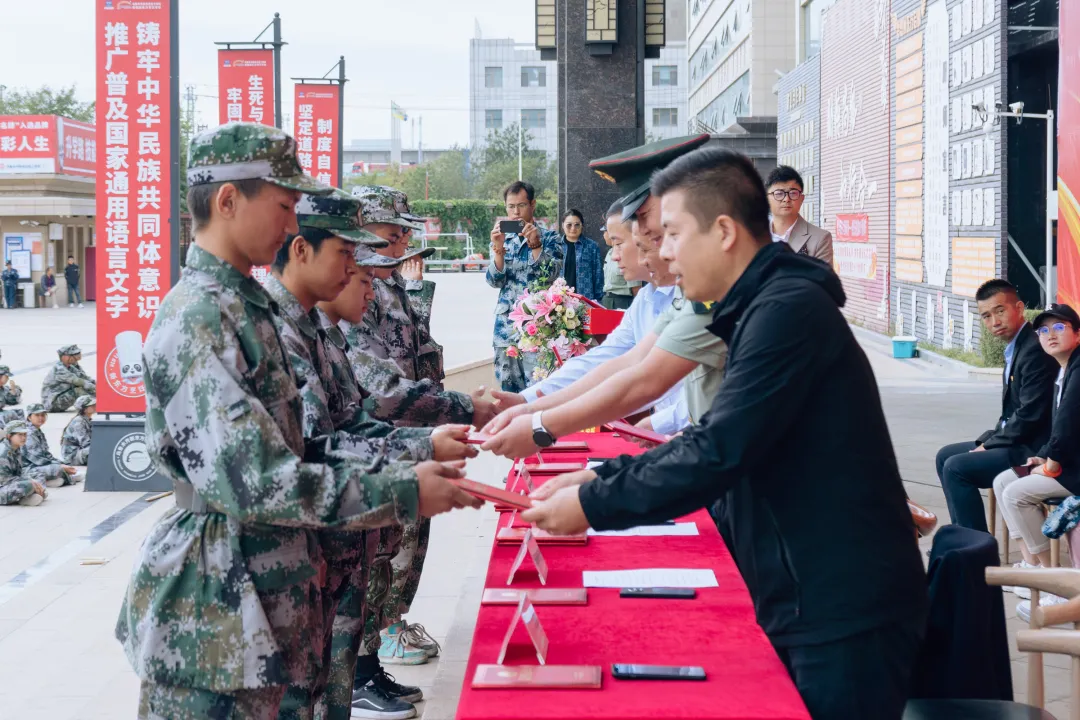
(81, 305)
(1021, 592)
(54, 483)
(1023, 610)
(32, 500)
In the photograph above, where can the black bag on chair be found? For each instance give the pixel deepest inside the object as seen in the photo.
(965, 654)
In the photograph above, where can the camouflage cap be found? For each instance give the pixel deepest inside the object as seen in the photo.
(401, 203)
(379, 204)
(418, 254)
(5, 370)
(337, 213)
(34, 409)
(366, 257)
(15, 427)
(248, 151)
(69, 350)
(84, 401)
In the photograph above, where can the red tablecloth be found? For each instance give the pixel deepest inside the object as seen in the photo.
(716, 630)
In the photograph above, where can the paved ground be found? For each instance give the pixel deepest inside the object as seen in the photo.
(57, 656)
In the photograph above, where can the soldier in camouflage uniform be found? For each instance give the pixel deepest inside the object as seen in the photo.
(16, 485)
(37, 456)
(75, 442)
(316, 265)
(10, 394)
(66, 381)
(225, 606)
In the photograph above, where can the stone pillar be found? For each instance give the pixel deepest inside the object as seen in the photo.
(600, 107)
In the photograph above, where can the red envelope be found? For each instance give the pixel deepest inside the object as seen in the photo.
(624, 428)
(553, 468)
(538, 676)
(537, 596)
(493, 494)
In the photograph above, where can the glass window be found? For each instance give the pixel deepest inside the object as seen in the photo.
(533, 119)
(665, 75)
(665, 117)
(493, 119)
(811, 26)
(533, 77)
(493, 77)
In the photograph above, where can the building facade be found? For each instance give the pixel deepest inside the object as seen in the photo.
(798, 131)
(735, 50)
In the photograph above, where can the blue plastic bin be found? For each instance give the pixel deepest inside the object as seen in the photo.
(904, 347)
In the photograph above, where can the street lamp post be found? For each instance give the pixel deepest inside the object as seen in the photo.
(1016, 110)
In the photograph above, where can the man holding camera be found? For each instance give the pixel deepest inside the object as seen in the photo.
(523, 257)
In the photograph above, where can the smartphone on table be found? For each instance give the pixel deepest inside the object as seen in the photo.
(624, 671)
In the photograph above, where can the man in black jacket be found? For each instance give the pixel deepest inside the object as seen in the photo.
(1027, 401)
(795, 438)
(71, 274)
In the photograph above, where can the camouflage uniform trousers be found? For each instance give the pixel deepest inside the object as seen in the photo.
(15, 490)
(11, 415)
(66, 400)
(513, 374)
(168, 702)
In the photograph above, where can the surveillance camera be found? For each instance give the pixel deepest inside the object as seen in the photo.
(1016, 108)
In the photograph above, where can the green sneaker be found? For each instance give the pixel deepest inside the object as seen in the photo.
(417, 636)
(396, 649)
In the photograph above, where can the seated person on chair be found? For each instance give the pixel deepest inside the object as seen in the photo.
(1055, 470)
(1024, 426)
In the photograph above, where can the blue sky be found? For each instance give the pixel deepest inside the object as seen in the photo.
(429, 46)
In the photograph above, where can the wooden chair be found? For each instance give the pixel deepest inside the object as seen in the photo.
(1047, 506)
(1037, 640)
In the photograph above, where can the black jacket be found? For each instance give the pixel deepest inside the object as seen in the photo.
(1027, 400)
(797, 440)
(71, 274)
(1064, 443)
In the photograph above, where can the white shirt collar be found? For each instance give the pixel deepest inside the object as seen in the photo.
(786, 236)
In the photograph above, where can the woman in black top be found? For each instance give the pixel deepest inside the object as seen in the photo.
(583, 263)
(1055, 473)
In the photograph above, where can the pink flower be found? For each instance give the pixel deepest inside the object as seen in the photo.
(531, 328)
(519, 316)
(557, 300)
(578, 348)
(512, 352)
(542, 305)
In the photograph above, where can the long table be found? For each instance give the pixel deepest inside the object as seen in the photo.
(716, 630)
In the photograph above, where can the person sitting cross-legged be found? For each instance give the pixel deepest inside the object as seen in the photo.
(16, 485)
(75, 442)
(1054, 472)
(1024, 426)
(38, 458)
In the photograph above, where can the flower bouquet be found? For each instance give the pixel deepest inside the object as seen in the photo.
(550, 326)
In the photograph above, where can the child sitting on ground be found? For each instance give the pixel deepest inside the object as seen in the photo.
(38, 459)
(75, 443)
(16, 485)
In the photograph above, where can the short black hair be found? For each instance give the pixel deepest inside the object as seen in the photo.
(990, 288)
(615, 209)
(783, 174)
(71, 257)
(199, 197)
(718, 182)
(312, 236)
(576, 213)
(517, 186)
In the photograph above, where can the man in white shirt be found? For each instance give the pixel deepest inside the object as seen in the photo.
(669, 413)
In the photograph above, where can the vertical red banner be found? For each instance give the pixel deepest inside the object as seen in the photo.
(246, 86)
(78, 148)
(1068, 238)
(134, 155)
(317, 132)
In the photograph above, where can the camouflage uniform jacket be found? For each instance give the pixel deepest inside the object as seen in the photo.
(9, 396)
(15, 484)
(520, 273)
(64, 379)
(75, 444)
(390, 395)
(328, 405)
(232, 598)
(429, 364)
(37, 455)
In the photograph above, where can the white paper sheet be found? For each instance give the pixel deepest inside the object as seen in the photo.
(686, 528)
(593, 464)
(650, 577)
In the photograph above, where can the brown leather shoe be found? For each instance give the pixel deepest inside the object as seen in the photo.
(925, 521)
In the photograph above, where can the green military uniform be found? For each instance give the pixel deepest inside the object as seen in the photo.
(75, 442)
(682, 330)
(38, 459)
(225, 606)
(9, 395)
(65, 383)
(16, 484)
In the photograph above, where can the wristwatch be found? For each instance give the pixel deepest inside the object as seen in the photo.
(541, 437)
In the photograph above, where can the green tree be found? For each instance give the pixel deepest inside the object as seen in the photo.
(497, 165)
(46, 101)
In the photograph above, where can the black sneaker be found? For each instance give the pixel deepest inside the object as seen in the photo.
(371, 702)
(386, 682)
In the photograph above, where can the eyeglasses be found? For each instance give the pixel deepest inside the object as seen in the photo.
(519, 207)
(781, 194)
(574, 226)
(1058, 328)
